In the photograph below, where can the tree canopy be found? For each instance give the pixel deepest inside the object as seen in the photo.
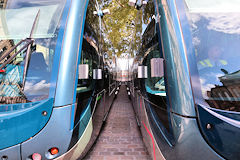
(122, 29)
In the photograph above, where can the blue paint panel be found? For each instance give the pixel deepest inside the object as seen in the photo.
(23, 122)
(19, 122)
(70, 50)
(223, 136)
(58, 49)
(189, 141)
(185, 91)
(56, 133)
(179, 92)
(80, 52)
(79, 59)
(187, 36)
(13, 153)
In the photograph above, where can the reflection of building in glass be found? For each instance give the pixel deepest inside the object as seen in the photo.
(124, 69)
(5, 46)
(226, 97)
(124, 76)
(9, 82)
(12, 100)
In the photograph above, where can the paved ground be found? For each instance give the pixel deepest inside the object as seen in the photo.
(120, 138)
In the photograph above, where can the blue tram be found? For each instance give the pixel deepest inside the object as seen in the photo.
(186, 92)
(49, 107)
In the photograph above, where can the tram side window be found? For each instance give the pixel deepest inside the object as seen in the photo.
(87, 57)
(155, 89)
(89, 50)
(85, 87)
(99, 65)
(155, 86)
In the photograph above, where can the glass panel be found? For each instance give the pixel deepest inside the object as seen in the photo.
(157, 100)
(23, 14)
(39, 71)
(213, 5)
(89, 55)
(154, 85)
(86, 84)
(216, 37)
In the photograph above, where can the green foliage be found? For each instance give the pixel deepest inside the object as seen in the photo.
(122, 29)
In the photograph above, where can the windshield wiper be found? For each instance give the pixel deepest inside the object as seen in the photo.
(28, 44)
(28, 54)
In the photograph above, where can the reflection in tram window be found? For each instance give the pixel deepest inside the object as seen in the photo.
(89, 55)
(155, 89)
(37, 77)
(85, 87)
(39, 70)
(157, 98)
(216, 44)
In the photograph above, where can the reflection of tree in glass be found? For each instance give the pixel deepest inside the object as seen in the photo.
(122, 29)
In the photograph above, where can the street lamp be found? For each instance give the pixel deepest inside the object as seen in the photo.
(97, 73)
(102, 12)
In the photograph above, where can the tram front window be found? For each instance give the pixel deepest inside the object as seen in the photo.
(16, 23)
(215, 27)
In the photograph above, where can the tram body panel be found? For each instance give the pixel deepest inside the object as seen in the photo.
(71, 118)
(148, 135)
(29, 121)
(177, 72)
(26, 119)
(216, 99)
(56, 133)
(182, 128)
(13, 152)
(76, 151)
(189, 141)
(71, 53)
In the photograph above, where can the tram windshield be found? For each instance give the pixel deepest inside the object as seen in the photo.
(215, 27)
(16, 24)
